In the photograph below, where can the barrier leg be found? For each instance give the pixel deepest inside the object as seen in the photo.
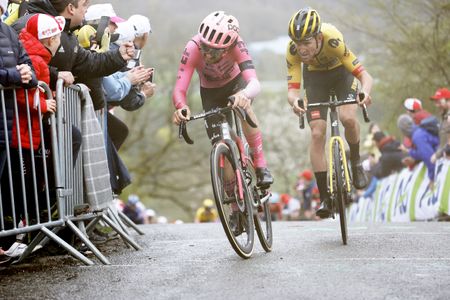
(124, 236)
(92, 224)
(116, 218)
(66, 246)
(39, 237)
(87, 242)
(130, 223)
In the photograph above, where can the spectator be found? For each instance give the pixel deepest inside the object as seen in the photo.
(391, 156)
(143, 29)
(304, 187)
(291, 207)
(414, 109)
(369, 144)
(276, 207)
(442, 101)
(150, 216)
(96, 11)
(206, 213)
(134, 209)
(424, 142)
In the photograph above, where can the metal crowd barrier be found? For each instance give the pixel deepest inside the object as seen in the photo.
(41, 199)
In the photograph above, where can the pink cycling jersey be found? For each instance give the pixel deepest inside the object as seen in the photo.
(236, 61)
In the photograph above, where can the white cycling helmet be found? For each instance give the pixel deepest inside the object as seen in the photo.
(141, 24)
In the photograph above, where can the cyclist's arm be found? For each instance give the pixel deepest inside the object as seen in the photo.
(294, 71)
(185, 70)
(247, 68)
(353, 65)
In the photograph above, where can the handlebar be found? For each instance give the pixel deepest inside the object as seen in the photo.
(333, 104)
(182, 130)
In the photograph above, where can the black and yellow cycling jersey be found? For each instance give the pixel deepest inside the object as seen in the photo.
(333, 53)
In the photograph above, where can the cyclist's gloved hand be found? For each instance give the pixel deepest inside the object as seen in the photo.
(178, 115)
(241, 100)
(297, 109)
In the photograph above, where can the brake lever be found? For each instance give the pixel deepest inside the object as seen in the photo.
(182, 131)
(243, 114)
(364, 108)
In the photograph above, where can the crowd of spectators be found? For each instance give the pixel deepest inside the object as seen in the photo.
(69, 40)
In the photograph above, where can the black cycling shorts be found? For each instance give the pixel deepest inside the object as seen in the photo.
(218, 97)
(319, 83)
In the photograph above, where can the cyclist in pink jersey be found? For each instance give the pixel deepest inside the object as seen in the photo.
(225, 69)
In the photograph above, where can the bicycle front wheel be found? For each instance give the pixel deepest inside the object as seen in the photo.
(261, 210)
(339, 189)
(233, 205)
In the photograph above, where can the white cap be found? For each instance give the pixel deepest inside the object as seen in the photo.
(150, 212)
(413, 104)
(4, 5)
(96, 11)
(141, 24)
(44, 26)
(126, 32)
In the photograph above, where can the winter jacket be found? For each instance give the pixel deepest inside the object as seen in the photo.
(116, 86)
(12, 54)
(85, 65)
(391, 158)
(425, 144)
(40, 57)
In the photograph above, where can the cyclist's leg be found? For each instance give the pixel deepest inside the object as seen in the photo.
(255, 141)
(346, 88)
(317, 89)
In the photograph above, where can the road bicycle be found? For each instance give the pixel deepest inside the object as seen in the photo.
(242, 205)
(339, 177)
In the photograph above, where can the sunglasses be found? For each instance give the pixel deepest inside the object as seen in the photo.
(212, 51)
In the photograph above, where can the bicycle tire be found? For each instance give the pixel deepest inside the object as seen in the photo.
(242, 243)
(261, 212)
(339, 190)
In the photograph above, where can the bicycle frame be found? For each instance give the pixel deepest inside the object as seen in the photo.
(335, 136)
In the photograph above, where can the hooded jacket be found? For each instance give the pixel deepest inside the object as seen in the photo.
(391, 158)
(40, 57)
(424, 144)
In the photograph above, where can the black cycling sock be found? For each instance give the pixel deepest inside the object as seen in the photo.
(354, 151)
(321, 179)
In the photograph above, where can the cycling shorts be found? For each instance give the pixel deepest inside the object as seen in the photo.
(218, 97)
(319, 83)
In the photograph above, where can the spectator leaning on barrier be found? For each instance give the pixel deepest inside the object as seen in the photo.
(441, 100)
(425, 141)
(83, 64)
(16, 69)
(369, 145)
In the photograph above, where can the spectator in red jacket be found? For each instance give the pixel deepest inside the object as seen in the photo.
(41, 40)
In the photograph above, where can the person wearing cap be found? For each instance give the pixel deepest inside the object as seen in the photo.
(142, 28)
(424, 143)
(85, 65)
(441, 99)
(304, 187)
(96, 11)
(414, 108)
(206, 213)
(134, 209)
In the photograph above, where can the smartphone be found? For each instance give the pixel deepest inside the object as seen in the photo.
(137, 54)
(102, 25)
(152, 76)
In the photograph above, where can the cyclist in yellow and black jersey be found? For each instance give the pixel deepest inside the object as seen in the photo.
(317, 52)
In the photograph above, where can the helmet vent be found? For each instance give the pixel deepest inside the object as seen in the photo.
(201, 27)
(227, 39)
(211, 35)
(206, 32)
(218, 38)
(230, 20)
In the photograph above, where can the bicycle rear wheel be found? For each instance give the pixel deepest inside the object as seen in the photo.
(261, 211)
(339, 189)
(235, 211)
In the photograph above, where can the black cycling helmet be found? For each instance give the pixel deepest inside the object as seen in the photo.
(304, 24)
